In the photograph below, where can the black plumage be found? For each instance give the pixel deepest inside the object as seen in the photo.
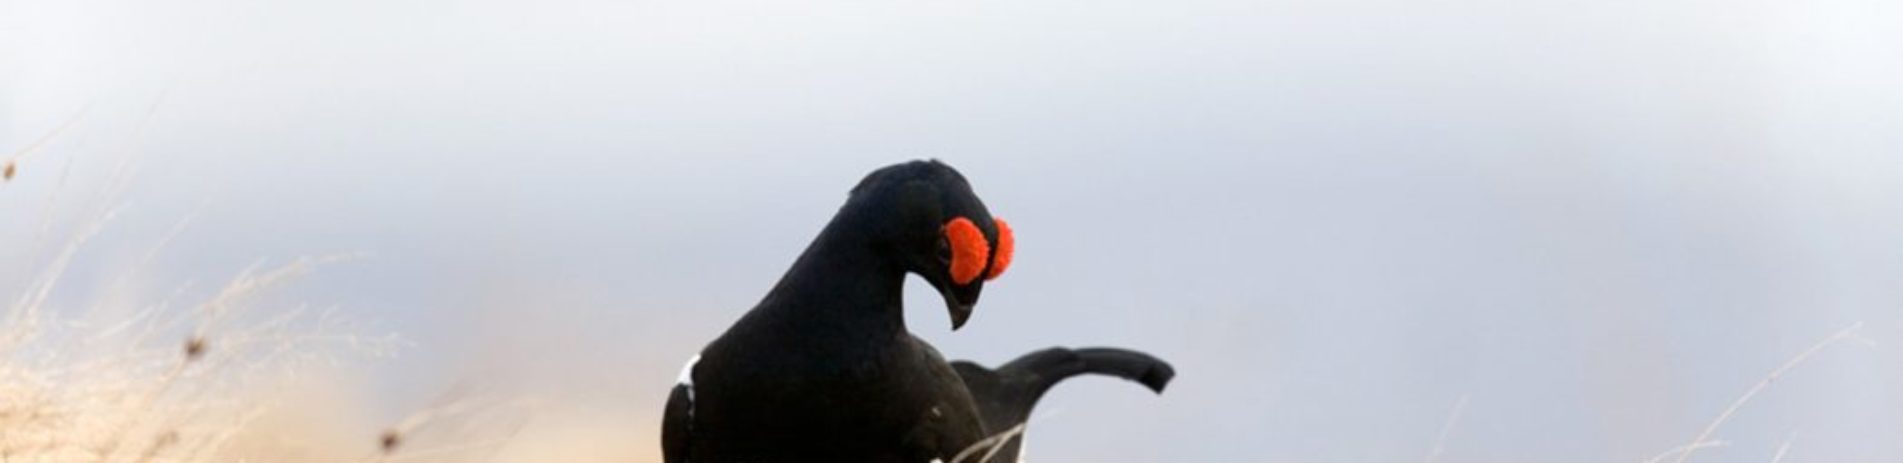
(1006, 396)
(823, 368)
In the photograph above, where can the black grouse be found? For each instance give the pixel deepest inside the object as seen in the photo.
(823, 369)
(1006, 396)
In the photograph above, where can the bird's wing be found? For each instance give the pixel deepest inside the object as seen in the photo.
(677, 420)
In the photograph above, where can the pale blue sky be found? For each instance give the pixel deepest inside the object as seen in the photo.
(1601, 222)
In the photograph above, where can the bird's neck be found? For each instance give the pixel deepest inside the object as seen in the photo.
(843, 285)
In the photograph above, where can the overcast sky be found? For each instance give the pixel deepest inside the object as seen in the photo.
(1600, 222)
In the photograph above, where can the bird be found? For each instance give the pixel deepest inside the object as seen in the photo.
(1007, 395)
(823, 369)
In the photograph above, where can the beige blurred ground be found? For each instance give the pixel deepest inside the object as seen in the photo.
(236, 378)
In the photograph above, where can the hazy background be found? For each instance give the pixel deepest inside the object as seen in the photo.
(1600, 222)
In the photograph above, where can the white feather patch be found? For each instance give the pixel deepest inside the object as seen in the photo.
(687, 379)
(687, 373)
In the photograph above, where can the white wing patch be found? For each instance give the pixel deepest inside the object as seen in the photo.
(687, 373)
(687, 379)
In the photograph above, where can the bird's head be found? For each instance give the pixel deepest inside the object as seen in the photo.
(924, 215)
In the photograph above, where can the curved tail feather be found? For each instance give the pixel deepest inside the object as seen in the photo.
(1007, 395)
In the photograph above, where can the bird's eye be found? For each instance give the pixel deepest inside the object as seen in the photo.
(969, 250)
(944, 251)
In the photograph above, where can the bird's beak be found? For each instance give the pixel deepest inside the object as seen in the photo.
(959, 313)
(959, 301)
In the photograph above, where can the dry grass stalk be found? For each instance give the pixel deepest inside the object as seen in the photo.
(456, 418)
(1784, 448)
(989, 445)
(13, 162)
(1684, 452)
(1453, 418)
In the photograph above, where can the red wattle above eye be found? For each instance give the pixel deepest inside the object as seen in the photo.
(1006, 244)
(968, 249)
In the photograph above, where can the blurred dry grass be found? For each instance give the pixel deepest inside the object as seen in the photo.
(232, 379)
(235, 377)
(271, 388)
(223, 379)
